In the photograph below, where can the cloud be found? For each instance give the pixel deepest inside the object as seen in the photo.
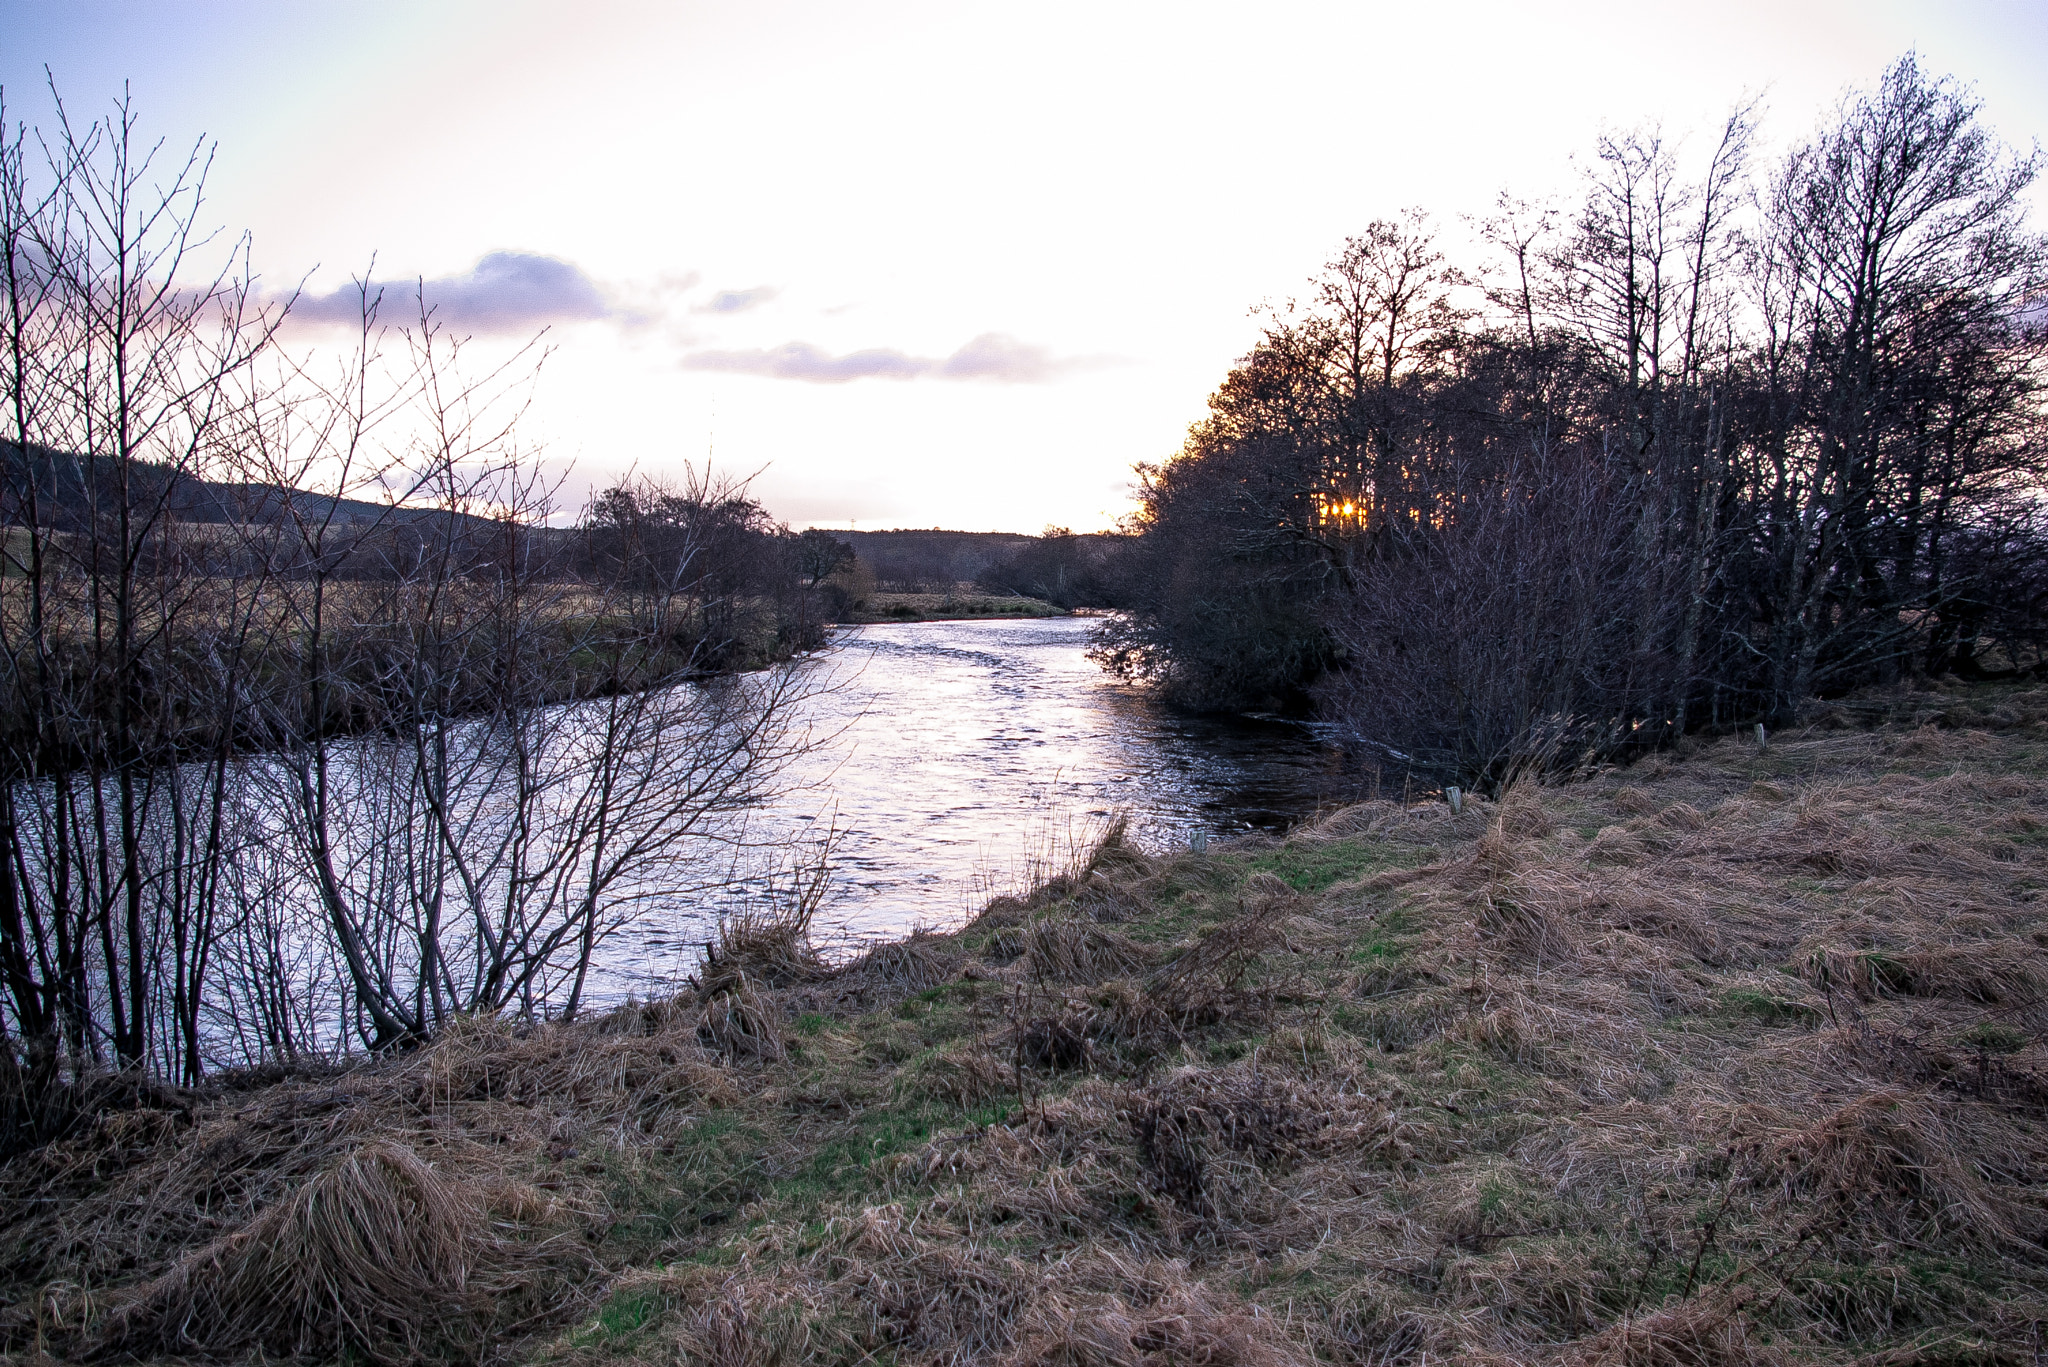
(503, 292)
(802, 361)
(991, 356)
(738, 301)
(999, 356)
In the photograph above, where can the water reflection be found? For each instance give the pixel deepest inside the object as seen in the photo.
(958, 748)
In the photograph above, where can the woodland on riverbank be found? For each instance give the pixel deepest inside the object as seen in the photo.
(1729, 433)
(1733, 1056)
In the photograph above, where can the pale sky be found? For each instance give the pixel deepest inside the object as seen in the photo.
(922, 264)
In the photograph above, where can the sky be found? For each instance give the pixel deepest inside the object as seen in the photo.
(919, 264)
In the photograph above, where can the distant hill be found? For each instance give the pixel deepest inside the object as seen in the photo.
(68, 486)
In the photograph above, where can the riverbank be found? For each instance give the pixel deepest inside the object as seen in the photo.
(947, 607)
(1734, 1057)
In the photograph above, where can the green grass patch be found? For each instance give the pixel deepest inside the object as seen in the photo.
(1996, 1037)
(1768, 1009)
(622, 1316)
(1311, 868)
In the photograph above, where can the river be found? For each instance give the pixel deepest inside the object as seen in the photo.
(960, 756)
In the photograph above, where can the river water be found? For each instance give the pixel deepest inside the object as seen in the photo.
(961, 757)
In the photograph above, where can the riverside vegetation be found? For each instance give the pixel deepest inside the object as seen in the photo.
(1732, 1056)
(1723, 434)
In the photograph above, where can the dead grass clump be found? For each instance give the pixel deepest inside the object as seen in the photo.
(1125, 1025)
(1495, 855)
(1521, 812)
(968, 1076)
(745, 1323)
(912, 964)
(1558, 899)
(1525, 927)
(1360, 818)
(1071, 950)
(1703, 1332)
(1988, 973)
(638, 1062)
(1115, 898)
(1897, 1162)
(1681, 816)
(659, 1016)
(376, 1255)
(1992, 973)
(1932, 742)
(1617, 846)
(1168, 1319)
(1005, 909)
(930, 1301)
(1206, 982)
(1207, 985)
(769, 946)
(488, 1104)
(742, 1025)
(1630, 800)
(1183, 1126)
(1110, 856)
(1586, 1032)
(1822, 842)
(1054, 1042)
(1114, 850)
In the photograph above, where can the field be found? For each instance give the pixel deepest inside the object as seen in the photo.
(1734, 1057)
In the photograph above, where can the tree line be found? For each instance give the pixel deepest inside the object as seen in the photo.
(316, 732)
(1727, 433)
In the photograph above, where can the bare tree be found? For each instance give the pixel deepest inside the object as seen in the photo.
(1820, 407)
(315, 734)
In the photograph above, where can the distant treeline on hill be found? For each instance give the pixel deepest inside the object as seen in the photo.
(1062, 567)
(65, 491)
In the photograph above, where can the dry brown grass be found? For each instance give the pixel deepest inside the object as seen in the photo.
(1730, 1058)
(374, 1251)
(409, 1209)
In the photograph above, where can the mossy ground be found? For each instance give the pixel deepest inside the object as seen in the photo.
(1728, 1057)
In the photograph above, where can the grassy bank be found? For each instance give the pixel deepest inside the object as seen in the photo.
(1728, 1058)
(384, 654)
(947, 607)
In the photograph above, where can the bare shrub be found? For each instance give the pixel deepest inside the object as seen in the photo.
(1489, 645)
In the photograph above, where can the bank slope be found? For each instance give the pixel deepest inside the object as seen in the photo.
(1731, 1058)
